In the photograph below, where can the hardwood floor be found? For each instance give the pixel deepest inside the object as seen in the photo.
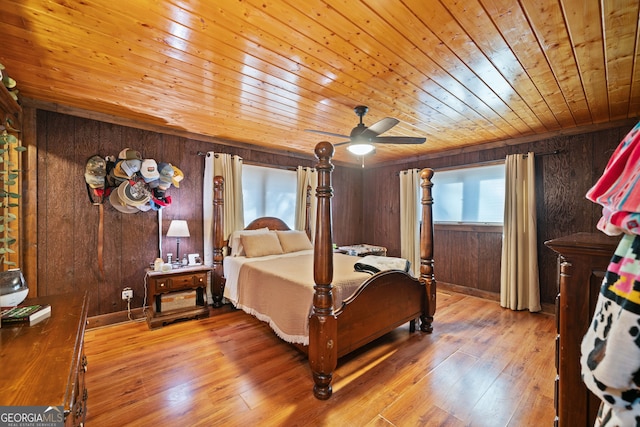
(482, 366)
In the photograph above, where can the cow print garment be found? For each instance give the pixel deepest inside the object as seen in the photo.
(611, 347)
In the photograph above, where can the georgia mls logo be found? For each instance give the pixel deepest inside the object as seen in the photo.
(57, 412)
(31, 416)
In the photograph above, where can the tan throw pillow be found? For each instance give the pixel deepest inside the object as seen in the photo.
(261, 244)
(294, 240)
(236, 243)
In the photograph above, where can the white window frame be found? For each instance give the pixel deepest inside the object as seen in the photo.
(463, 184)
(262, 186)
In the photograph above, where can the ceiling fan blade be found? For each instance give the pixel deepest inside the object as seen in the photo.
(321, 132)
(379, 127)
(342, 143)
(398, 140)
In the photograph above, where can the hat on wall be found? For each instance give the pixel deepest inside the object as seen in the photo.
(166, 172)
(158, 192)
(129, 154)
(133, 195)
(144, 208)
(127, 168)
(119, 204)
(95, 171)
(149, 170)
(163, 185)
(130, 167)
(166, 177)
(177, 176)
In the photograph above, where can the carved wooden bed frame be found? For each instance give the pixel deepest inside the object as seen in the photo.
(382, 303)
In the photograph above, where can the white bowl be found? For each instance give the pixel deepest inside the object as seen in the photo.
(14, 298)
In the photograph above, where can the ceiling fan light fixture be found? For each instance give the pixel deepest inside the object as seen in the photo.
(360, 149)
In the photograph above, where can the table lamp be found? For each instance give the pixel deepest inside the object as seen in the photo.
(178, 228)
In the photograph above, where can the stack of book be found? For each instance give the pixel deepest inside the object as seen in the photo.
(25, 314)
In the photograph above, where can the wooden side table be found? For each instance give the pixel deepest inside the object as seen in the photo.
(177, 295)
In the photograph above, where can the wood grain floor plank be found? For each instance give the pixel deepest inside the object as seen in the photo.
(483, 365)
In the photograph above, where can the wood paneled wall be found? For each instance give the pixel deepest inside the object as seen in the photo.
(365, 207)
(469, 257)
(68, 223)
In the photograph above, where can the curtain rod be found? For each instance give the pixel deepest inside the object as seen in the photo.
(289, 168)
(548, 153)
(495, 162)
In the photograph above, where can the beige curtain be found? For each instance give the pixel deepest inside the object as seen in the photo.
(519, 284)
(409, 219)
(230, 168)
(306, 177)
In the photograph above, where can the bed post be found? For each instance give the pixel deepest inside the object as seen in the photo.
(217, 285)
(426, 252)
(323, 326)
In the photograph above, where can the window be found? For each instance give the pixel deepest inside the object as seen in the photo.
(269, 192)
(469, 195)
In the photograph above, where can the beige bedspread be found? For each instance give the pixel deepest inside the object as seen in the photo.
(280, 291)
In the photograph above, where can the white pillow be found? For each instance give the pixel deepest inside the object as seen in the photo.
(261, 244)
(236, 243)
(294, 240)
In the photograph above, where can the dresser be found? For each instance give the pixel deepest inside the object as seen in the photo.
(44, 365)
(583, 259)
(177, 294)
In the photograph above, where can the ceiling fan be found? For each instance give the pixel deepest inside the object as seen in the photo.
(362, 138)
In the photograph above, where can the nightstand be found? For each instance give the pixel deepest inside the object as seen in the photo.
(177, 294)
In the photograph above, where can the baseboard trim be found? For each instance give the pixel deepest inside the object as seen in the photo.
(139, 315)
(136, 315)
(491, 296)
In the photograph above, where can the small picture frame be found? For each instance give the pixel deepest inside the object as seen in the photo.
(194, 259)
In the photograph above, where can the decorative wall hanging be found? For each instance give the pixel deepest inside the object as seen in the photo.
(130, 183)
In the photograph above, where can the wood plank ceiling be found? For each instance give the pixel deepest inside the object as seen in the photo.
(458, 72)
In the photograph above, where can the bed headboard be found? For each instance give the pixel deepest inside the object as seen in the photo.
(270, 222)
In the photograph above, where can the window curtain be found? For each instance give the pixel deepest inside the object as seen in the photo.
(307, 177)
(519, 284)
(409, 219)
(230, 168)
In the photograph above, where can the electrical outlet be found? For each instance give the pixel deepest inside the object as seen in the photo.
(127, 294)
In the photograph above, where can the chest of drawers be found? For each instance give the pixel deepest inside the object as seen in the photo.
(44, 365)
(583, 259)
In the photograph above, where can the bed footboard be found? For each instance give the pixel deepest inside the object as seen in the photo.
(383, 303)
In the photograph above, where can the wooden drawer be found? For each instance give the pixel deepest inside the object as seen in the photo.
(178, 282)
(200, 279)
(183, 281)
(160, 285)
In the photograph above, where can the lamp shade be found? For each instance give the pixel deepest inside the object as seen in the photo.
(178, 228)
(360, 149)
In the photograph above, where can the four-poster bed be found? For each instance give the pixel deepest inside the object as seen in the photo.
(381, 303)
